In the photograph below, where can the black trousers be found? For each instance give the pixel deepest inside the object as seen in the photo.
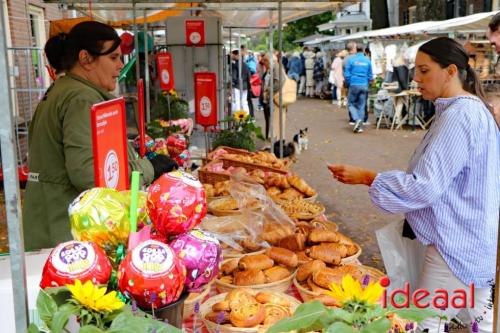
(267, 117)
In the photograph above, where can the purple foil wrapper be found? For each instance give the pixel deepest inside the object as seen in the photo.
(201, 254)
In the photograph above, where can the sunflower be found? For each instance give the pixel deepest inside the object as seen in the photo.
(172, 93)
(240, 116)
(351, 290)
(93, 297)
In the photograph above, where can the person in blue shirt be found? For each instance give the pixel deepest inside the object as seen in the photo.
(450, 193)
(251, 63)
(295, 67)
(358, 74)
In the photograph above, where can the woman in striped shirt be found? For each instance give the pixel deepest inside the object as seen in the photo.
(450, 193)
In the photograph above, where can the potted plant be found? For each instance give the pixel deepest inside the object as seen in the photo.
(87, 308)
(240, 132)
(170, 106)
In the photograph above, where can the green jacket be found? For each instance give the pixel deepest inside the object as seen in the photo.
(61, 161)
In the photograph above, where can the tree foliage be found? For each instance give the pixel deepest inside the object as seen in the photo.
(291, 32)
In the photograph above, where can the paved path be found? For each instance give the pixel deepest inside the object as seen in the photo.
(331, 140)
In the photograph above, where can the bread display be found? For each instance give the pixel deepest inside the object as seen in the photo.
(308, 269)
(276, 273)
(249, 277)
(301, 209)
(283, 256)
(295, 242)
(259, 261)
(258, 310)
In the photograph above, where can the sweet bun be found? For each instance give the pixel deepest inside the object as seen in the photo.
(247, 315)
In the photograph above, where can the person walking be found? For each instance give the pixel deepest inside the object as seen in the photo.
(319, 74)
(302, 85)
(338, 77)
(358, 74)
(450, 192)
(240, 97)
(351, 51)
(309, 64)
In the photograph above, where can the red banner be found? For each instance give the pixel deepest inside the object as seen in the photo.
(142, 127)
(165, 70)
(205, 96)
(109, 141)
(195, 32)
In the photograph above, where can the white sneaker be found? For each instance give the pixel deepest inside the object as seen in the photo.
(367, 123)
(352, 123)
(359, 130)
(357, 126)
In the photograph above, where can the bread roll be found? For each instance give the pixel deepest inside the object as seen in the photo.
(314, 287)
(221, 306)
(255, 262)
(324, 277)
(214, 317)
(240, 296)
(276, 273)
(266, 297)
(248, 315)
(250, 245)
(296, 242)
(229, 266)
(305, 270)
(303, 258)
(324, 253)
(320, 236)
(249, 278)
(274, 313)
(274, 232)
(283, 256)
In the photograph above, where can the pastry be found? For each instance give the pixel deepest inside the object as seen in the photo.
(314, 287)
(303, 258)
(276, 273)
(290, 194)
(301, 185)
(320, 236)
(327, 300)
(255, 262)
(229, 266)
(305, 270)
(274, 313)
(274, 232)
(324, 277)
(227, 279)
(250, 245)
(214, 317)
(266, 297)
(325, 254)
(221, 306)
(277, 180)
(247, 315)
(273, 190)
(341, 249)
(295, 242)
(249, 278)
(209, 190)
(239, 297)
(283, 256)
(304, 228)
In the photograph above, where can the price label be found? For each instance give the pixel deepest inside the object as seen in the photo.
(205, 106)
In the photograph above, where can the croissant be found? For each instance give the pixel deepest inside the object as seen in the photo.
(229, 266)
(276, 273)
(256, 262)
(290, 194)
(239, 297)
(325, 254)
(214, 317)
(320, 236)
(314, 287)
(305, 270)
(341, 249)
(275, 233)
(274, 313)
(277, 180)
(343, 239)
(324, 277)
(301, 185)
(249, 277)
(352, 270)
(248, 315)
(266, 297)
(273, 190)
(250, 245)
(304, 228)
(283, 256)
(303, 258)
(296, 242)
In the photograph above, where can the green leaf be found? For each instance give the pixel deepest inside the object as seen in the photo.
(90, 329)
(304, 317)
(61, 317)
(33, 329)
(340, 327)
(415, 314)
(377, 326)
(341, 315)
(46, 307)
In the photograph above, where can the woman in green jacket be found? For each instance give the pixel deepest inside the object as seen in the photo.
(60, 139)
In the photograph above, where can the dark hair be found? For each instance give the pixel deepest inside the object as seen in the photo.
(235, 52)
(62, 50)
(446, 51)
(494, 22)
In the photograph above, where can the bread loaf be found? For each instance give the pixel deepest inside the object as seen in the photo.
(249, 277)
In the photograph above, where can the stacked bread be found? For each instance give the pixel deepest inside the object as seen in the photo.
(284, 188)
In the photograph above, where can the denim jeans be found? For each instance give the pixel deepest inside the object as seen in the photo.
(357, 101)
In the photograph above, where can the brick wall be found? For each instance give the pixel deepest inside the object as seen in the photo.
(24, 61)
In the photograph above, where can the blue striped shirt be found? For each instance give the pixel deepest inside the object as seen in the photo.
(450, 193)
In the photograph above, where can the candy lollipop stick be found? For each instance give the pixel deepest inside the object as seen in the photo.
(135, 238)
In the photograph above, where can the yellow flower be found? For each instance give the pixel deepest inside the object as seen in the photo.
(240, 115)
(351, 290)
(93, 297)
(172, 92)
(164, 123)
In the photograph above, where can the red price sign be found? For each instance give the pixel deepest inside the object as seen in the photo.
(165, 70)
(195, 33)
(109, 141)
(205, 95)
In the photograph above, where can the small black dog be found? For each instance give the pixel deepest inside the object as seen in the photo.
(288, 149)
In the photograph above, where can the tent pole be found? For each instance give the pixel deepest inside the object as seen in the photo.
(230, 68)
(11, 188)
(240, 65)
(146, 68)
(280, 78)
(271, 81)
(136, 45)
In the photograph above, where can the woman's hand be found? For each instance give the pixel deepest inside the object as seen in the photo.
(349, 174)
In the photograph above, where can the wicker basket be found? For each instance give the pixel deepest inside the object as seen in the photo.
(277, 286)
(189, 303)
(311, 199)
(230, 150)
(212, 327)
(352, 259)
(228, 162)
(214, 210)
(210, 177)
